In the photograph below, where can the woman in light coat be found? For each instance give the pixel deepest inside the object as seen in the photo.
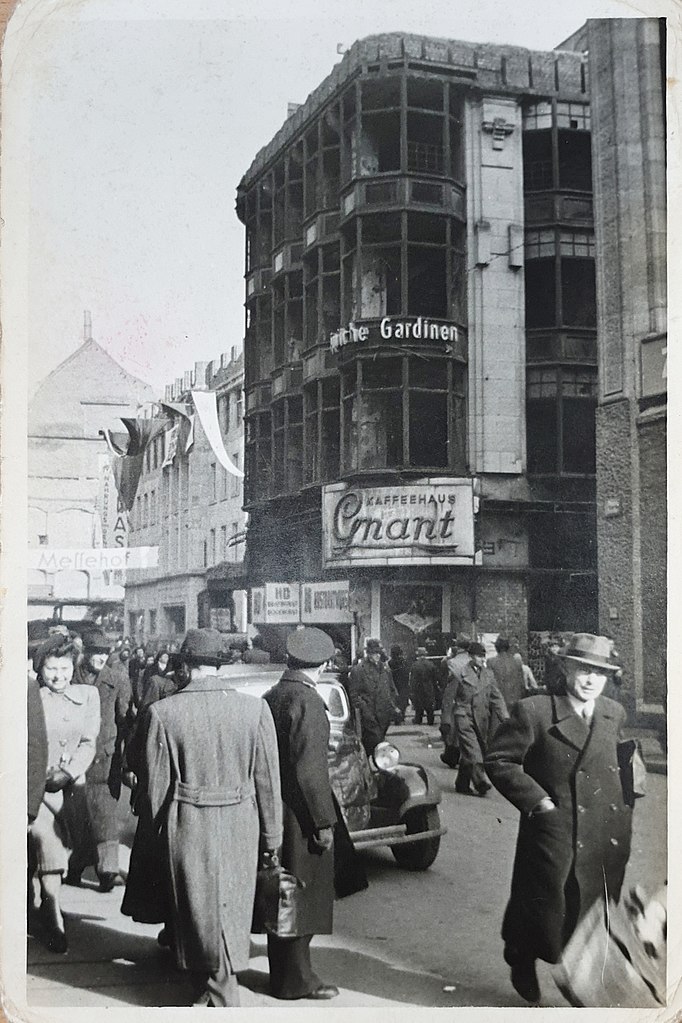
(72, 721)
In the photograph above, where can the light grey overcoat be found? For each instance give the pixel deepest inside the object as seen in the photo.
(213, 788)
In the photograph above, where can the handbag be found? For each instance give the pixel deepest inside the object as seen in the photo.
(276, 908)
(632, 770)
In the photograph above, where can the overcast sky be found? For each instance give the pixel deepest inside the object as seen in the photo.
(129, 127)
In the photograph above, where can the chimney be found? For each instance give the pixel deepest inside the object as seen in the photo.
(87, 326)
(200, 375)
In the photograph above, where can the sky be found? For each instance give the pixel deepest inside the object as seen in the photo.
(127, 127)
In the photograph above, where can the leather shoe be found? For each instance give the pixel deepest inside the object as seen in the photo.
(53, 937)
(324, 991)
(107, 882)
(525, 981)
(73, 878)
(483, 789)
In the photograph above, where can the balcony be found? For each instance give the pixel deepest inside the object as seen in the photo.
(324, 228)
(397, 191)
(562, 347)
(558, 207)
(257, 283)
(287, 258)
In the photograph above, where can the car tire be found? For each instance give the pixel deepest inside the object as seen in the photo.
(419, 855)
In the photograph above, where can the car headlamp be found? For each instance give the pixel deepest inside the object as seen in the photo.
(385, 756)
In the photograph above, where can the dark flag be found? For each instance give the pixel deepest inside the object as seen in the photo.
(129, 452)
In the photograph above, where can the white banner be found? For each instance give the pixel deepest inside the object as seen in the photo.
(171, 444)
(89, 559)
(205, 404)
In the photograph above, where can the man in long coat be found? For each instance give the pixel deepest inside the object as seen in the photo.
(479, 709)
(210, 787)
(372, 693)
(455, 663)
(423, 687)
(556, 760)
(508, 671)
(302, 729)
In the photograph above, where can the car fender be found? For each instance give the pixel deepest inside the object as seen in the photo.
(407, 786)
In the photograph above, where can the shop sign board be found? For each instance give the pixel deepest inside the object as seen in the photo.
(394, 328)
(276, 604)
(427, 522)
(326, 603)
(92, 559)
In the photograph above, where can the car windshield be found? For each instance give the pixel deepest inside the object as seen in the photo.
(332, 693)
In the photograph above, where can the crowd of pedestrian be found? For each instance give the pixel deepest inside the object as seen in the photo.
(230, 791)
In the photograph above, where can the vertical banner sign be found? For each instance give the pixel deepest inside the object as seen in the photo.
(258, 605)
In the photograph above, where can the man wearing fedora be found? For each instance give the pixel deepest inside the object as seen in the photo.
(302, 729)
(99, 841)
(208, 796)
(373, 695)
(556, 760)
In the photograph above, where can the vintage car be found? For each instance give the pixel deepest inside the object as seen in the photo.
(385, 802)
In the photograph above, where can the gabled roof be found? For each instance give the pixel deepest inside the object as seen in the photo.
(88, 376)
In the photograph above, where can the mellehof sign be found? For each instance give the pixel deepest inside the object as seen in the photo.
(430, 522)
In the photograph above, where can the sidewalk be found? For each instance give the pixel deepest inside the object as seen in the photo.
(113, 961)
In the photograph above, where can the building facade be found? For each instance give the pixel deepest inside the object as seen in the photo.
(627, 60)
(420, 348)
(72, 503)
(190, 507)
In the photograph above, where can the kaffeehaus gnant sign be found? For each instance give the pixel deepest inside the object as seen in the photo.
(429, 522)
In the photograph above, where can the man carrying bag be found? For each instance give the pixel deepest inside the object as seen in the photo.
(302, 730)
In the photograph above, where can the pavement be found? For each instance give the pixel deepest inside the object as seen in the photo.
(412, 939)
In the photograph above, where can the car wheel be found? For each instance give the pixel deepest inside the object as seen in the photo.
(419, 855)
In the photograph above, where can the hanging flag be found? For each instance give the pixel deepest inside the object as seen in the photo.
(129, 457)
(205, 404)
(184, 411)
(171, 441)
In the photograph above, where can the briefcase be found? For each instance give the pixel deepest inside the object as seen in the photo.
(632, 770)
(276, 905)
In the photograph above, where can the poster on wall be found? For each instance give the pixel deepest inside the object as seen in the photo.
(326, 603)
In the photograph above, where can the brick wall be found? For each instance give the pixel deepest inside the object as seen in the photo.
(501, 605)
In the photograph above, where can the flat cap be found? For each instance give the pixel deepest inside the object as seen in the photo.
(203, 646)
(477, 649)
(463, 641)
(310, 646)
(95, 642)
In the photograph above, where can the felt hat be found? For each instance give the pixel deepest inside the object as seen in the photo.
(477, 649)
(95, 642)
(203, 646)
(373, 646)
(463, 641)
(310, 646)
(597, 651)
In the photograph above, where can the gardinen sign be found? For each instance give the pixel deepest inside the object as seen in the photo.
(430, 522)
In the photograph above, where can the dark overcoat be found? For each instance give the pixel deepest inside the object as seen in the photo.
(302, 730)
(371, 691)
(571, 856)
(423, 682)
(479, 709)
(209, 791)
(36, 766)
(508, 672)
